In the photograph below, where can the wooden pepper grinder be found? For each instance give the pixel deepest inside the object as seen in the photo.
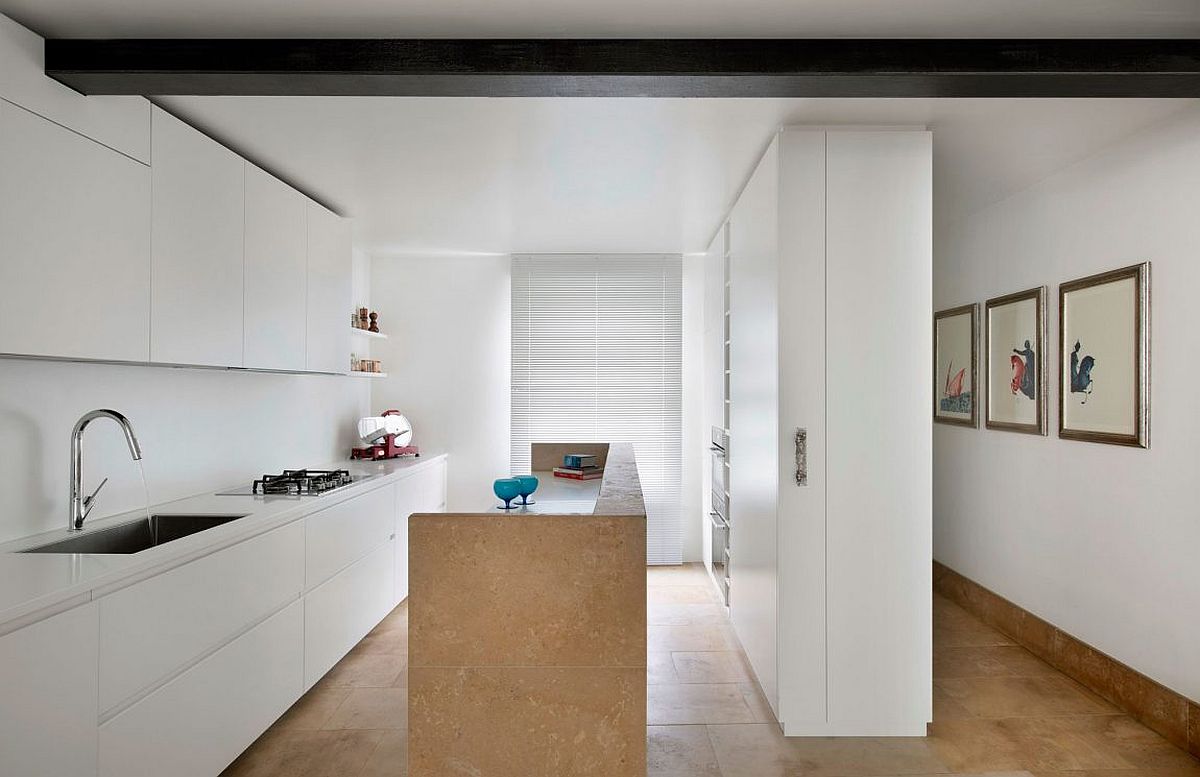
(374, 327)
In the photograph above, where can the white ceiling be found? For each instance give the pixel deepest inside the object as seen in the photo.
(449, 175)
(608, 18)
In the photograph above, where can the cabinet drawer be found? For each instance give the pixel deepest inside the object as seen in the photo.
(344, 533)
(200, 721)
(48, 697)
(341, 612)
(154, 628)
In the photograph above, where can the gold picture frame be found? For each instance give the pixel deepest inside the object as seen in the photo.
(1104, 325)
(1026, 376)
(959, 387)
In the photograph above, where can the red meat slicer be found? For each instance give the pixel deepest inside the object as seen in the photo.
(387, 437)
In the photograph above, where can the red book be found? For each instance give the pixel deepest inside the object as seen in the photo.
(579, 476)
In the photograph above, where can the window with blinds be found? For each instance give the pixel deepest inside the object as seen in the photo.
(597, 352)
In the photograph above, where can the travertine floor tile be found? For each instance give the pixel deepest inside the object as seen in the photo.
(372, 708)
(988, 661)
(680, 751)
(306, 754)
(672, 614)
(955, 627)
(716, 666)
(660, 669)
(390, 758)
(690, 638)
(690, 704)
(761, 750)
(314, 709)
(366, 670)
(753, 696)
(1009, 697)
(682, 594)
(394, 643)
(682, 574)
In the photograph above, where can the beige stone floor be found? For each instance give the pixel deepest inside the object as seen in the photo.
(997, 709)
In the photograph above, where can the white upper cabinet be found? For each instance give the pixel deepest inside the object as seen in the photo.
(275, 274)
(74, 242)
(329, 305)
(119, 122)
(198, 220)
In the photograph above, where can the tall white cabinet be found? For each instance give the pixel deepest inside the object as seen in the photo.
(329, 296)
(275, 273)
(196, 247)
(830, 305)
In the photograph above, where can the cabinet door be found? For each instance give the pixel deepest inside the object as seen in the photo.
(48, 697)
(121, 122)
(275, 273)
(341, 611)
(329, 302)
(195, 725)
(196, 247)
(753, 421)
(75, 237)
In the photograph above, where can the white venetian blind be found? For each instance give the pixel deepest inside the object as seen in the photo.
(597, 357)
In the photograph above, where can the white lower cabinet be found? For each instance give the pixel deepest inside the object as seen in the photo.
(344, 533)
(341, 611)
(48, 697)
(195, 725)
(156, 627)
(422, 492)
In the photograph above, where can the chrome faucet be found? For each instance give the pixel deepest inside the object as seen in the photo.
(82, 505)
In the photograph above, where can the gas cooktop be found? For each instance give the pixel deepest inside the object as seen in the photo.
(298, 482)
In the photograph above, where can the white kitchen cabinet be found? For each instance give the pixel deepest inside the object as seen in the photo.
(329, 301)
(74, 234)
(276, 272)
(754, 420)
(338, 536)
(422, 492)
(830, 288)
(156, 627)
(48, 697)
(196, 724)
(341, 611)
(120, 122)
(197, 232)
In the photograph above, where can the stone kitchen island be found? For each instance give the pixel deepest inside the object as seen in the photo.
(527, 630)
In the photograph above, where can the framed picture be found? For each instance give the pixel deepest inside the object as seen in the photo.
(955, 343)
(1104, 361)
(1014, 336)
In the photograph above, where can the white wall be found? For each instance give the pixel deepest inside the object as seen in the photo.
(1099, 540)
(200, 430)
(448, 361)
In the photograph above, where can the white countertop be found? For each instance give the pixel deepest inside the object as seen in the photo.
(36, 585)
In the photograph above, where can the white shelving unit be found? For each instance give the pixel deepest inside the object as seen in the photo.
(362, 374)
(368, 333)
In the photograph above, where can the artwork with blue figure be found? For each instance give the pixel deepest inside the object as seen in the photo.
(1081, 373)
(1024, 379)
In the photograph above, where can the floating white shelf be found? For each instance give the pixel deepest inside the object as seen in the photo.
(363, 374)
(368, 333)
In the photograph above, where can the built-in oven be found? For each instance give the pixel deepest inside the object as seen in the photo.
(719, 512)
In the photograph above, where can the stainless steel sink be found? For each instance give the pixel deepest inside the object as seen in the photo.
(135, 536)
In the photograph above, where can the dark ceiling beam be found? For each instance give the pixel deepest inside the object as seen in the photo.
(632, 68)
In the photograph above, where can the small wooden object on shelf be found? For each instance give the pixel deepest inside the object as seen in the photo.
(374, 327)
